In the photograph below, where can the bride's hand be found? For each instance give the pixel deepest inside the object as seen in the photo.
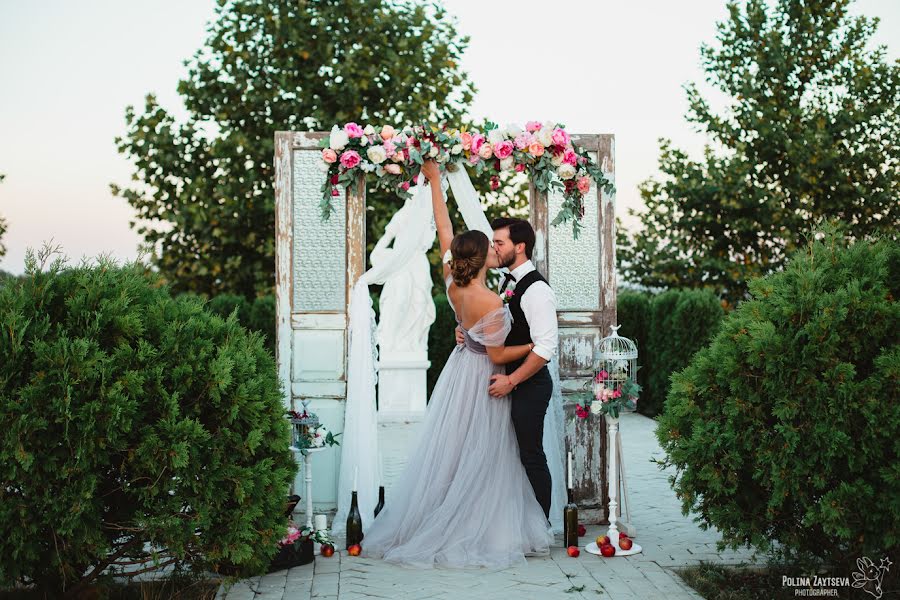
(431, 171)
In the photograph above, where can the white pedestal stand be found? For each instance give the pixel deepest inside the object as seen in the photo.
(612, 426)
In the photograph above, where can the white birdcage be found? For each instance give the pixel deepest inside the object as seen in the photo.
(615, 364)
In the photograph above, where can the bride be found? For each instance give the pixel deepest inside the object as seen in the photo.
(464, 499)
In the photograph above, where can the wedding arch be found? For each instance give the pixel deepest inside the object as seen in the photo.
(320, 183)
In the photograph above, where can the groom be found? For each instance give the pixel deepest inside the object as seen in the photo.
(533, 308)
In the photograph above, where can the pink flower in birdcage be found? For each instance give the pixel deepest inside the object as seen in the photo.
(617, 394)
(601, 376)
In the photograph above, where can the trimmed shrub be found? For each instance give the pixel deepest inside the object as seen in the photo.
(786, 427)
(134, 425)
(633, 314)
(681, 322)
(441, 339)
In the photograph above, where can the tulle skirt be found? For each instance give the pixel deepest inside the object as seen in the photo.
(464, 499)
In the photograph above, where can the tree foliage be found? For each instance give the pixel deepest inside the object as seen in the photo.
(786, 427)
(203, 191)
(136, 427)
(808, 132)
(3, 226)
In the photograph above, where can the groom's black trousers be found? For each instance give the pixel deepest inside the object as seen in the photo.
(529, 405)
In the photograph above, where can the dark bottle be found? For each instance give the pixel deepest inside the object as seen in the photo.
(570, 522)
(354, 524)
(380, 500)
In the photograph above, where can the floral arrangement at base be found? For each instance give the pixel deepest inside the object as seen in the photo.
(610, 394)
(309, 432)
(544, 151)
(296, 547)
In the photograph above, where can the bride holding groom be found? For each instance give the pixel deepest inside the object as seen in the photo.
(476, 491)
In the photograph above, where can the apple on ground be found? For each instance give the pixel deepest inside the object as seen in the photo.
(573, 551)
(354, 550)
(625, 543)
(607, 550)
(581, 530)
(327, 550)
(602, 539)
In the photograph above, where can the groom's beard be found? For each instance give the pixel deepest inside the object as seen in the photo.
(507, 261)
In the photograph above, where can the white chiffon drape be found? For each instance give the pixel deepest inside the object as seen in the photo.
(359, 442)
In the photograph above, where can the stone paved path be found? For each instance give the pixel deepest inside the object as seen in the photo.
(668, 540)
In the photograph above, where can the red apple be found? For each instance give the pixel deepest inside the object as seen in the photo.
(625, 543)
(573, 551)
(581, 530)
(602, 539)
(327, 550)
(607, 550)
(354, 550)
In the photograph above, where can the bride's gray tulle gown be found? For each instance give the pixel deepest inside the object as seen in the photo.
(464, 499)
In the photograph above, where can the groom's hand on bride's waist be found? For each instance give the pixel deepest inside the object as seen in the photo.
(501, 385)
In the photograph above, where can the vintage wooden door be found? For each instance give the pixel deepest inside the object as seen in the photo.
(317, 263)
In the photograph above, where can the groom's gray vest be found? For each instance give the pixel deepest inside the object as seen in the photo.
(520, 334)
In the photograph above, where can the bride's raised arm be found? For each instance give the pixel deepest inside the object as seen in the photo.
(441, 214)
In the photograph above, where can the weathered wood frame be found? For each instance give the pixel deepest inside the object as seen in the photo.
(584, 439)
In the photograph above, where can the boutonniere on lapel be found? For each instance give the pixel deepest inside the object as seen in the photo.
(507, 296)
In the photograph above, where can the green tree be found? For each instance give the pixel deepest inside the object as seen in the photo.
(2, 227)
(808, 132)
(203, 196)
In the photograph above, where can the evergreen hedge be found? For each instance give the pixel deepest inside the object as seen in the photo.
(134, 426)
(786, 427)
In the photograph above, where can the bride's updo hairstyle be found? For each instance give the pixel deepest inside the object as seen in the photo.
(469, 251)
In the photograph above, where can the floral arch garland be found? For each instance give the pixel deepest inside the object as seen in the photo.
(542, 150)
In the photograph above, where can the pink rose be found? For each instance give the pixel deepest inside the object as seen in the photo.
(335, 192)
(477, 142)
(584, 184)
(570, 158)
(536, 149)
(533, 126)
(560, 137)
(410, 142)
(503, 149)
(520, 168)
(329, 155)
(486, 151)
(466, 138)
(349, 159)
(393, 169)
(523, 140)
(387, 132)
(389, 148)
(353, 130)
(404, 186)
(474, 159)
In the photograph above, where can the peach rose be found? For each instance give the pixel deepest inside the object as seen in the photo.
(329, 155)
(536, 149)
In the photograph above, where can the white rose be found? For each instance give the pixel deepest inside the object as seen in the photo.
(495, 136)
(595, 408)
(369, 130)
(456, 149)
(556, 160)
(513, 130)
(338, 138)
(565, 171)
(545, 136)
(433, 152)
(376, 154)
(442, 158)
(507, 163)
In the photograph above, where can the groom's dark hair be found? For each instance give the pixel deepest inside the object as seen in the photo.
(520, 232)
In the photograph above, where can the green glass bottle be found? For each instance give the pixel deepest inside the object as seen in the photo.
(354, 524)
(380, 500)
(570, 521)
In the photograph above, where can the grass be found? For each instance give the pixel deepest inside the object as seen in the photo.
(144, 590)
(740, 582)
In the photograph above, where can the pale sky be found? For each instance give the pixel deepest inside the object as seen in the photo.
(69, 69)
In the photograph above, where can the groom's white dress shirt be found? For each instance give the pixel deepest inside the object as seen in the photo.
(539, 305)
